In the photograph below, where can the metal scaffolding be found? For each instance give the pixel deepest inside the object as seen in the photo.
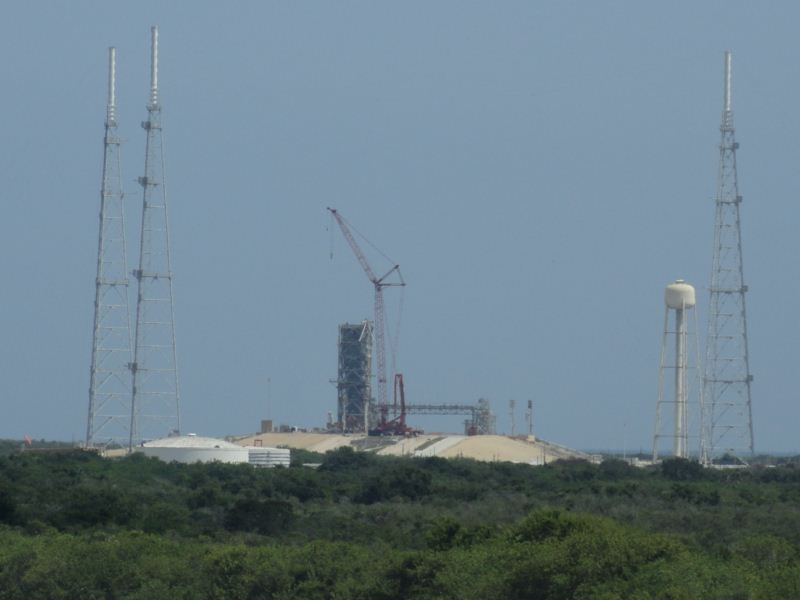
(354, 382)
(481, 422)
(109, 414)
(156, 399)
(729, 423)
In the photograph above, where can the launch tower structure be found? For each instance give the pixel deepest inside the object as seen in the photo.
(155, 407)
(354, 383)
(727, 378)
(110, 380)
(392, 278)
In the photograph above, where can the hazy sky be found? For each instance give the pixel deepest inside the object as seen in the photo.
(540, 170)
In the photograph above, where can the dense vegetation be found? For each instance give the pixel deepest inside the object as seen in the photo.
(74, 525)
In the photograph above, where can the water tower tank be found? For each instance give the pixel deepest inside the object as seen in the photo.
(679, 295)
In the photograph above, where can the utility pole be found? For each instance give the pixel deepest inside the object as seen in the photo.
(156, 399)
(728, 415)
(269, 397)
(512, 404)
(110, 380)
(529, 417)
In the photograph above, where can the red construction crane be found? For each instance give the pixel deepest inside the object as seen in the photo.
(380, 323)
(397, 425)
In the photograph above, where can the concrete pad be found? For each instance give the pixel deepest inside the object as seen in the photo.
(528, 450)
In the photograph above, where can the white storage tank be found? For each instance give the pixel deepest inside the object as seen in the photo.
(194, 448)
(679, 295)
(262, 456)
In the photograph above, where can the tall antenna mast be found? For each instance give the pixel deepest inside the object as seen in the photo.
(153, 67)
(155, 410)
(109, 388)
(729, 423)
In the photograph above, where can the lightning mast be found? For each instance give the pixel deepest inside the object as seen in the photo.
(109, 388)
(729, 423)
(155, 410)
(380, 320)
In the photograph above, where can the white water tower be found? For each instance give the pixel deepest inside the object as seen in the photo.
(677, 345)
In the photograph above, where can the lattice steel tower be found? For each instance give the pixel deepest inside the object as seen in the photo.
(727, 378)
(155, 410)
(354, 381)
(110, 380)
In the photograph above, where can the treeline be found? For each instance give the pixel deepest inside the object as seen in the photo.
(549, 554)
(360, 526)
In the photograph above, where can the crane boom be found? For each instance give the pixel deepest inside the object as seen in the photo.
(362, 260)
(380, 330)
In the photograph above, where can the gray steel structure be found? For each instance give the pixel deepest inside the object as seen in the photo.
(727, 379)
(529, 417)
(483, 419)
(481, 422)
(155, 407)
(354, 382)
(109, 413)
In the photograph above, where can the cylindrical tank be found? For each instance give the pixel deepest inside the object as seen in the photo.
(679, 295)
(269, 457)
(191, 448)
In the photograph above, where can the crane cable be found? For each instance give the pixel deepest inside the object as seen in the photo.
(330, 228)
(394, 340)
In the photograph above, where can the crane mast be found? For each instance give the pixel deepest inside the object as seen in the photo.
(380, 321)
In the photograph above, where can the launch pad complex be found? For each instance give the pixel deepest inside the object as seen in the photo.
(357, 411)
(134, 393)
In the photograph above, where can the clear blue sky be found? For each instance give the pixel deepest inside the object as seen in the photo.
(541, 170)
